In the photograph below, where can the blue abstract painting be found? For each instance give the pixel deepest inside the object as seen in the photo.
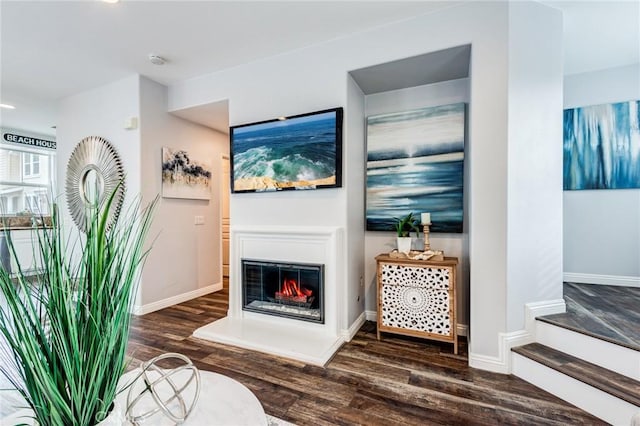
(415, 163)
(602, 146)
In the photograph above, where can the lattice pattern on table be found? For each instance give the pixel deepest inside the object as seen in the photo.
(416, 298)
(437, 278)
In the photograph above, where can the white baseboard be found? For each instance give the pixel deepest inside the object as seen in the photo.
(502, 362)
(348, 334)
(174, 300)
(538, 309)
(371, 315)
(488, 363)
(506, 341)
(574, 277)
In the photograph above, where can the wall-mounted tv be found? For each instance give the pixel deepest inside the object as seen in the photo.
(298, 152)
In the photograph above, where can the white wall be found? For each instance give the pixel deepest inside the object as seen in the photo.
(534, 249)
(281, 86)
(186, 258)
(101, 112)
(316, 77)
(449, 92)
(185, 261)
(355, 182)
(602, 227)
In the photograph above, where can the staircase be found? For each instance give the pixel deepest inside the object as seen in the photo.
(590, 355)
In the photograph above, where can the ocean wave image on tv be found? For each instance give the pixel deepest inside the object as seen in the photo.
(294, 153)
(415, 163)
(602, 146)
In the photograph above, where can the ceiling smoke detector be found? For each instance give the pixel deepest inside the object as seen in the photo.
(157, 60)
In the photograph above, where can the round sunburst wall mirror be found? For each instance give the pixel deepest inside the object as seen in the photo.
(93, 173)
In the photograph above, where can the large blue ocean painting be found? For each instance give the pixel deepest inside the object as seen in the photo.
(602, 146)
(415, 163)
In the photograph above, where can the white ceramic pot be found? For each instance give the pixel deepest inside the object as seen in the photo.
(404, 244)
(116, 417)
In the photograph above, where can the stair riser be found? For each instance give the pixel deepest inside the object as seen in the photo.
(613, 357)
(592, 400)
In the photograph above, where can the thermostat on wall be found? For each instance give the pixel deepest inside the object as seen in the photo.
(131, 123)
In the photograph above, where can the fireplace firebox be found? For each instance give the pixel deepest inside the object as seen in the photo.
(292, 290)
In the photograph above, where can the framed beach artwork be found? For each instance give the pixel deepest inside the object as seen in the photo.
(299, 152)
(184, 176)
(602, 146)
(415, 163)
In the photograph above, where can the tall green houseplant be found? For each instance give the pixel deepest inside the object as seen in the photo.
(67, 330)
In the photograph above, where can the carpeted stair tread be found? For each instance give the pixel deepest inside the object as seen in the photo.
(607, 381)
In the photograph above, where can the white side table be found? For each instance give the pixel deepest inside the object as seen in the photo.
(222, 401)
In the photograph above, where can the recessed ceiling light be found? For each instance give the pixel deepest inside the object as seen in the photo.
(7, 106)
(156, 59)
(111, 1)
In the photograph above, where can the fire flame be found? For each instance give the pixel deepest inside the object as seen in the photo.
(291, 288)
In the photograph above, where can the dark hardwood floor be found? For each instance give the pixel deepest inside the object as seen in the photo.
(397, 381)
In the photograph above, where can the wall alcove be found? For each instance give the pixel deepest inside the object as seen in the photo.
(432, 79)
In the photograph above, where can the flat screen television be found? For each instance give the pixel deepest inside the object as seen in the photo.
(298, 152)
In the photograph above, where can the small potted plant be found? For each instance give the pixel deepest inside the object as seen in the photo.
(404, 226)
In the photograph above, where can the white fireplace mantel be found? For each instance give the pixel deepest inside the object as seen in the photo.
(302, 340)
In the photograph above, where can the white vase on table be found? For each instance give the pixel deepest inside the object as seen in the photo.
(404, 244)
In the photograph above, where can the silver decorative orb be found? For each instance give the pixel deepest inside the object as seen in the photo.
(171, 392)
